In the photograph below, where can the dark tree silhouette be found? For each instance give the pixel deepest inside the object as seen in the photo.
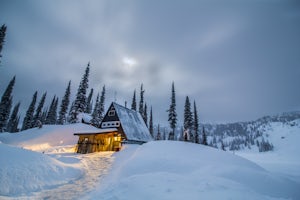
(28, 119)
(64, 105)
(172, 114)
(5, 104)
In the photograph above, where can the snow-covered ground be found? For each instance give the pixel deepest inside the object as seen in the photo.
(178, 170)
(285, 159)
(40, 164)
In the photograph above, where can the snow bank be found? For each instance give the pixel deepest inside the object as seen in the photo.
(47, 137)
(23, 171)
(178, 170)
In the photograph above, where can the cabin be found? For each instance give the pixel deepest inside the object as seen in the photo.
(120, 125)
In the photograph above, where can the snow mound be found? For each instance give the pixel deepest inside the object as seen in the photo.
(47, 137)
(179, 170)
(23, 171)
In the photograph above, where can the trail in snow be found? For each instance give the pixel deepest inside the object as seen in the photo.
(95, 167)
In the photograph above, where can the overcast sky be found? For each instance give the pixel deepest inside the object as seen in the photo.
(239, 60)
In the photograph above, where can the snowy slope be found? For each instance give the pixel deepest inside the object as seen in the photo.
(23, 171)
(284, 159)
(178, 170)
(47, 137)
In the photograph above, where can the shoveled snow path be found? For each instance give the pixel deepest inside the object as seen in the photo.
(95, 166)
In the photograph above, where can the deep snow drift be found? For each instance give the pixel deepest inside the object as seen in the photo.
(178, 170)
(24, 171)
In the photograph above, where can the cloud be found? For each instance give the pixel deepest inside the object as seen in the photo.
(238, 60)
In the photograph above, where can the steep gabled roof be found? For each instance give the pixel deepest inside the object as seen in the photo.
(132, 123)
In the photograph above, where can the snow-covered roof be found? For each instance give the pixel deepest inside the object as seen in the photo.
(133, 124)
(106, 130)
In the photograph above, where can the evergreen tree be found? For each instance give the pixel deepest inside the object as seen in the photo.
(38, 112)
(133, 104)
(89, 102)
(172, 114)
(196, 124)
(188, 118)
(96, 113)
(151, 123)
(102, 104)
(145, 115)
(28, 119)
(5, 104)
(141, 104)
(2, 38)
(204, 137)
(80, 101)
(12, 125)
(52, 113)
(71, 112)
(44, 115)
(64, 105)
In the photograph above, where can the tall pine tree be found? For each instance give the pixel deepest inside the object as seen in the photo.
(52, 113)
(28, 119)
(89, 103)
(12, 125)
(196, 124)
(102, 103)
(5, 104)
(133, 104)
(80, 101)
(188, 118)
(2, 38)
(172, 114)
(151, 123)
(64, 105)
(145, 115)
(141, 104)
(96, 113)
(38, 112)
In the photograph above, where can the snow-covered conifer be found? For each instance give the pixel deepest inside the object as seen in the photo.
(64, 105)
(141, 104)
(95, 114)
(89, 102)
(188, 118)
(12, 125)
(52, 113)
(196, 124)
(28, 119)
(80, 101)
(151, 123)
(172, 114)
(145, 115)
(5, 104)
(133, 104)
(102, 104)
(38, 112)
(2, 38)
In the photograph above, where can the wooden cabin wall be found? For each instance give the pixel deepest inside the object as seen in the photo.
(98, 142)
